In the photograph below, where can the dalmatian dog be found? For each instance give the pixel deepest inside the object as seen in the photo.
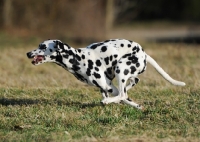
(99, 63)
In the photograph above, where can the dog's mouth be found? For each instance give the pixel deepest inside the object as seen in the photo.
(37, 59)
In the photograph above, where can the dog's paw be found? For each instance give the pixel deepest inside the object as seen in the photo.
(104, 102)
(140, 107)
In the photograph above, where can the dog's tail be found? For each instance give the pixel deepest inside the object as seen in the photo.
(163, 73)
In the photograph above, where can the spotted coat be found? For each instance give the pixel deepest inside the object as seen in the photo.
(98, 64)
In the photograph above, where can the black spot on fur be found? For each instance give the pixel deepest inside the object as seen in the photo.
(138, 49)
(71, 61)
(90, 64)
(78, 57)
(115, 55)
(52, 57)
(70, 52)
(76, 68)
(80, 77)
(67, 46)
(129, 45)
(130, 41)
(42, 46)
(95, 83)
(126, 72)
(126, 55)
(136, 80)
(61, 45)
(97, 69)
(133, 69)
(110, 90)
(79, 50)
(109, 70)
(88, 72)
(114, 67)
(98, 63)
(59, 60)
(134, 48)
(137, 64)
(117, 71)
(83, 56)
(122, 45)
(50, 50)
(123, 80)
(66, 56)
(108, 76)
(111, 57)
(114, 63)
(96, 75)
(103, 49)
(124, 89)
(106, 60)
(134, 59)
(94, 46)
(106, 41)
(128, 63)
(74, 61)
(145, 63)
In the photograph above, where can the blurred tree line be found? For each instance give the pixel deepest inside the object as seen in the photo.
(90, 18)
(146, 10)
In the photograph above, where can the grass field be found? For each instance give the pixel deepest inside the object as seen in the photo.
(46, 103)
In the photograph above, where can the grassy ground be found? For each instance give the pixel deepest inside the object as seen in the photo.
(46, 103)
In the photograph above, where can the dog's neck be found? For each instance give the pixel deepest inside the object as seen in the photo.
(68, 58)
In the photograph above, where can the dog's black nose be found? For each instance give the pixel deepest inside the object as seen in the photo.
(29, 54)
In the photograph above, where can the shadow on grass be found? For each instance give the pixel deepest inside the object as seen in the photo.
(6, 102)
(79, 104)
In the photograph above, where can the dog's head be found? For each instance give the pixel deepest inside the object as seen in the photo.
(46, 52)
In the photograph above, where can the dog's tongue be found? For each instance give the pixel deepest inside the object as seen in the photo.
(37, 59)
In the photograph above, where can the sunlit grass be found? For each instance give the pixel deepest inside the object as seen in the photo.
(46, 103)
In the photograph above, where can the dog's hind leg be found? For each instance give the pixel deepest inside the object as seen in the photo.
(130, 102)
(133, 82)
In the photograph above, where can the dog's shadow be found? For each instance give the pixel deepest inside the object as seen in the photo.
(21, 102)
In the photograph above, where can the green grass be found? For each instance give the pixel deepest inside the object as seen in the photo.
(64, 114)
(46, 103)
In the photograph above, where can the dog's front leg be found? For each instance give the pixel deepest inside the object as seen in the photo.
(107, 99)
(105, 96)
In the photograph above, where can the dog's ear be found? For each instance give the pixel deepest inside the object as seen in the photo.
(58, 45)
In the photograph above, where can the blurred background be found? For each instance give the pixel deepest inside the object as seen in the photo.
(85, 21)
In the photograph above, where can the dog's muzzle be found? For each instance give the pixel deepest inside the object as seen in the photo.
(29, 55)
(36, 58)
